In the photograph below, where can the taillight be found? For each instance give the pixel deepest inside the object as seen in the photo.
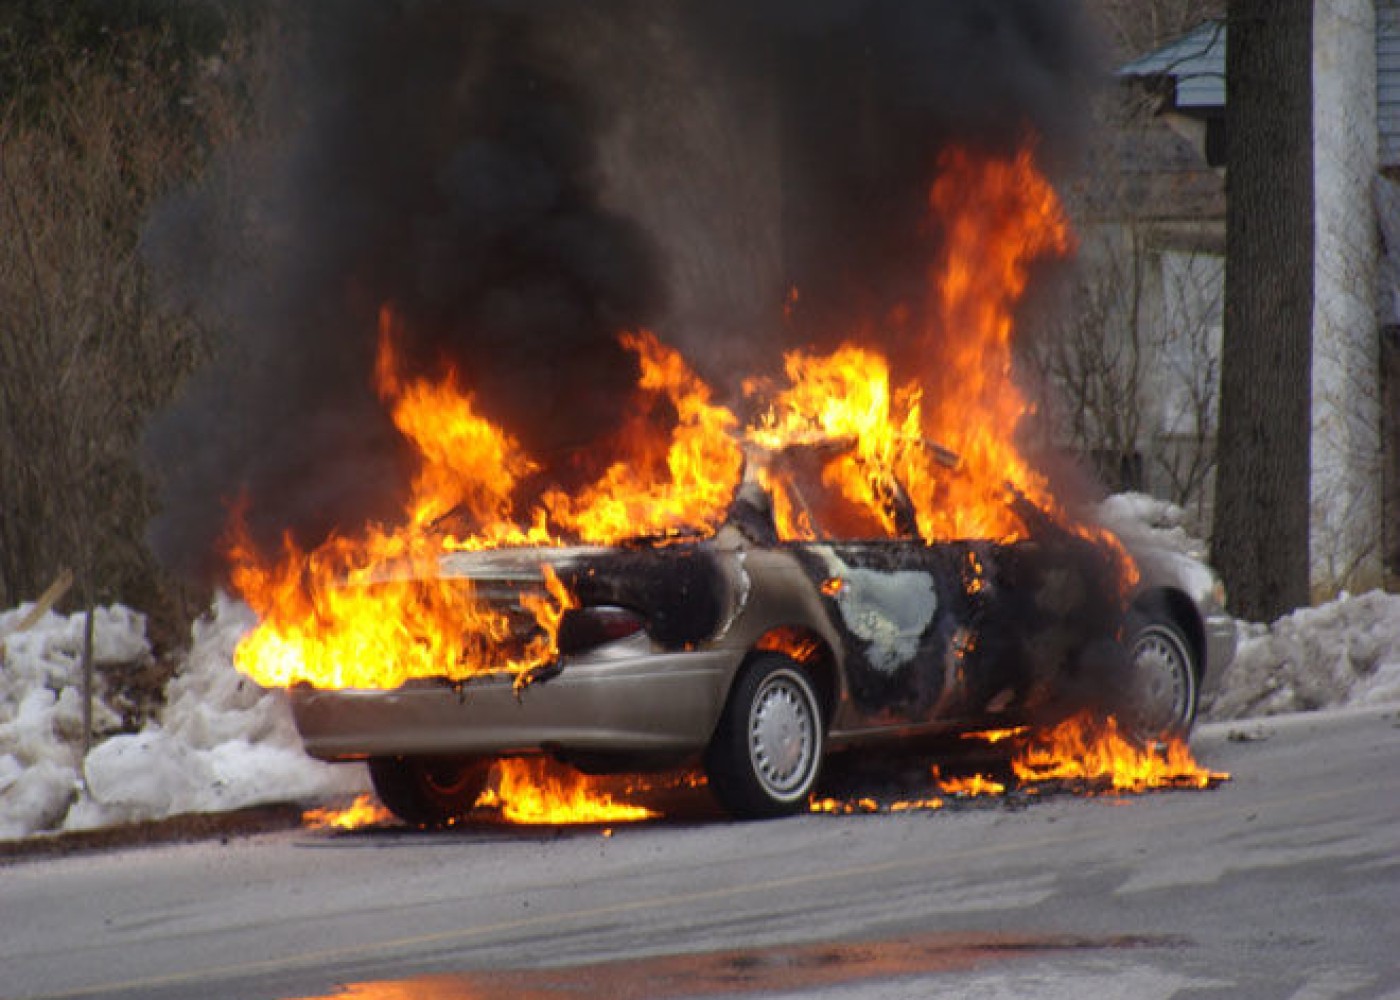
(583, 629)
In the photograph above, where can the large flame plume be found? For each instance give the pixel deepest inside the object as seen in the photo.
(371, 611)
(957, 403)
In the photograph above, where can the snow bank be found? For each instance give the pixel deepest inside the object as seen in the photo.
(220, 743)
(41, 712)
(1346, 652)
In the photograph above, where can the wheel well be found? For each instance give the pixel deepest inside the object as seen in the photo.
(807, 647)
(1178, 608)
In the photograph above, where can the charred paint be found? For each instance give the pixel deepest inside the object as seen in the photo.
(891, 611)
(682, 589)
(968, 629)
(888, 610)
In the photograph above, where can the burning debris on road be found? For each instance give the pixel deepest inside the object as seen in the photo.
(456, 454)
(1075, 758)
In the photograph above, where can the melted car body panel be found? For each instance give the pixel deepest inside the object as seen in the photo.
(888, 610)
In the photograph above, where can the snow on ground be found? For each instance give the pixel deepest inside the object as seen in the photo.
(1345, 652)
(223, 743)
(220, 743)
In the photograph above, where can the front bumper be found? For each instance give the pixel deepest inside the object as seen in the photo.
(1222, 637)
(664, 702)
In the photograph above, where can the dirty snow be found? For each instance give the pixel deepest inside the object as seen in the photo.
(223, 743)
(220, 743)
(1345, 652)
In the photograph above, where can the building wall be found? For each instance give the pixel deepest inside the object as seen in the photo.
(1346, 439)
(1184, 381)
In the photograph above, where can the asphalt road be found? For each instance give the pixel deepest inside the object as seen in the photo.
(1284, 882)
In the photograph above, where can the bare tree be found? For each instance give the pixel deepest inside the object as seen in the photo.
(1135, 27)
(1091, 359)
(1131, 363)
(84, 354)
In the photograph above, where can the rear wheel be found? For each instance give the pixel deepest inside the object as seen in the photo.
(1163, 695)
(429, 791)
(767, 749)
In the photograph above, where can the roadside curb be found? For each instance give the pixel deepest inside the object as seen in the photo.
(186, 828)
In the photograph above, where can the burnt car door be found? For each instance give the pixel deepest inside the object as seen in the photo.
(958, 633)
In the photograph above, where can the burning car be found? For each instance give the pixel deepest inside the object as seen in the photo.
(758, 656)
(752, 592)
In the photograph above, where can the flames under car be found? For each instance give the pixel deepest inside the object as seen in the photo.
(760, 656)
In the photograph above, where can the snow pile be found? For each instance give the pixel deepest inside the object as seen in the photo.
(41, 709)
(220, 743)
(1346, 652)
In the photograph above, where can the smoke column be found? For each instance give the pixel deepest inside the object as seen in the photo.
(867, 94)
(523, 179)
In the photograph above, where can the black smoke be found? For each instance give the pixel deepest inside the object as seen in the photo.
(868, 94)
(520, 180)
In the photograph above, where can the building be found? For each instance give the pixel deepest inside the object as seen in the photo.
(1355, 488)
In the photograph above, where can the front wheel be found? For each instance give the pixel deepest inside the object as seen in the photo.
(429, 791)
(767, 748)
(1163, 695)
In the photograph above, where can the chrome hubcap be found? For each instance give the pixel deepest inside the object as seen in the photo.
(782, 735)
(1163, 680)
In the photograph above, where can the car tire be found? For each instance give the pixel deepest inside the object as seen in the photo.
(429, 792)
(1164, 691)
(767, 749)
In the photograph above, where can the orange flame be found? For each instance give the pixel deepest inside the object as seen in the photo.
(1084, 749)
(995, 735)
(1092, 754)
(537, 791)
(468, 466)
(970, 787)
(995, 216)
(374, 612)
(843, 807)
(937, 441)
(794, 644)
(364, 811)
(998, 216)
(325, 620)
(656, 487)
(371, 611)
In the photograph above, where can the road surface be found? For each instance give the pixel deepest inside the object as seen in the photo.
(1284, 882)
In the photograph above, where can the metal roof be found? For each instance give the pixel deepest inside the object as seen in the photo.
(1196, 65)
(1388, 81)
(1195, 62)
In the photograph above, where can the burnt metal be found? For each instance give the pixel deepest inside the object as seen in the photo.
(912, 688)
(679, 589)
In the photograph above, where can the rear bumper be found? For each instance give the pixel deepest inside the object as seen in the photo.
(664, 702)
